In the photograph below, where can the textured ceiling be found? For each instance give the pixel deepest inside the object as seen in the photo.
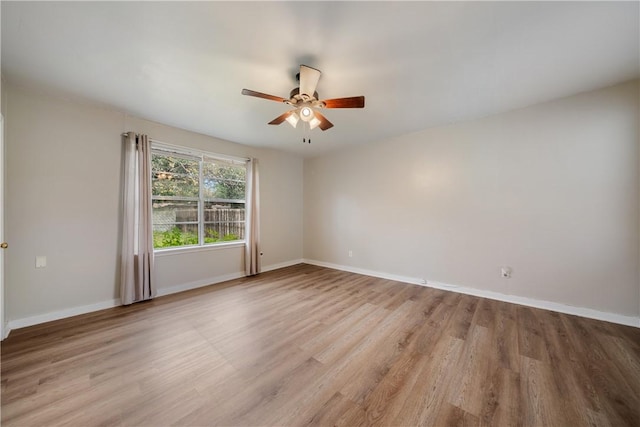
(419, 64)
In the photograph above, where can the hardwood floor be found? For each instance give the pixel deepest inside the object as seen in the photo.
(308, 345)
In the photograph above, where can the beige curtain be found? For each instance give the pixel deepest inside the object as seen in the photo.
(136, 268)
(252, 233)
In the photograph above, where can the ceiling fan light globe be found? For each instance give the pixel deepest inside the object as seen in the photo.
(306, 114)
(293, 119)
(313, 123)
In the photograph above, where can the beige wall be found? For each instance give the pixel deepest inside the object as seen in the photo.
(64, 198)
(551, 191)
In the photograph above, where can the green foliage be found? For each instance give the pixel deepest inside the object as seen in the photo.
(175, 176)
(224, 182)
(175, 179)
(173, 237)
(176, 237)
(211, 236)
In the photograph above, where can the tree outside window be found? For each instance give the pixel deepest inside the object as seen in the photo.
(196, 200)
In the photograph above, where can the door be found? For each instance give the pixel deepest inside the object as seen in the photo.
(3, 244)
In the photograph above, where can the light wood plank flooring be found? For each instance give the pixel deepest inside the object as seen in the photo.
(307, 345)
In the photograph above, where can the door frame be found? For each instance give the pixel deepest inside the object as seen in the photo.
(4, 331)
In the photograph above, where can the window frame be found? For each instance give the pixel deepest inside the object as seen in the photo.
(202, 157)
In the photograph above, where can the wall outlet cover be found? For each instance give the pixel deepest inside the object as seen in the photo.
(505, 272)
(41, 261)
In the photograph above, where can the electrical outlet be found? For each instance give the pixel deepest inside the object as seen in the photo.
(350, 253)
(41, 261)
(505, 272)
(423, 281)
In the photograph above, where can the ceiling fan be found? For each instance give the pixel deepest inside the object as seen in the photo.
(306, 103)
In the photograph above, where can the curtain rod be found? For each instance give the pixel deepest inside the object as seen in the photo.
(179, 147)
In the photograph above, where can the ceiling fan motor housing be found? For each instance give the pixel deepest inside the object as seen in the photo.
(295, 95)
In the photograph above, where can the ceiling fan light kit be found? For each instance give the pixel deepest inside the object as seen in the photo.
(306, 101)
(293, 119)
(306, 114)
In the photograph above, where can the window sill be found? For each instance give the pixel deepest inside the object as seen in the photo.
(189, 249)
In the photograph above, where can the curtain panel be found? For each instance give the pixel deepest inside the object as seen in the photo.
(252, 235)
(136, 267)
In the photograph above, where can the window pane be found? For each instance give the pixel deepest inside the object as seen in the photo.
(188, 184)
(223, 222)
(174, 176)
(175, 223)
(224, 181)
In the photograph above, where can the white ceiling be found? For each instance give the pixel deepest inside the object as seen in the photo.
(419, 64)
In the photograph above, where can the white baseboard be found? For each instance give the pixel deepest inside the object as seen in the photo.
(61, 314)
(74, 311)
(281, 265)
(547, 305)
(363, 271)
(514, 299)
(218, 279)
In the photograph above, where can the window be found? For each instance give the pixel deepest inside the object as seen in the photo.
(198, 199)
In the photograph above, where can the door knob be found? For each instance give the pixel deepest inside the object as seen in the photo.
(4, 245)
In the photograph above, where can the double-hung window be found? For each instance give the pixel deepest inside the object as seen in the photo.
(198, 198)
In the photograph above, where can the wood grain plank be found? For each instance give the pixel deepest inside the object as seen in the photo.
(307, 345)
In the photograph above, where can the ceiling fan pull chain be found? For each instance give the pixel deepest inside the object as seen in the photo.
(307, 130)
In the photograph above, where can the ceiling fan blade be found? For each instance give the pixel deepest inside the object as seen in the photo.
(324, 123)
(353, 102)
(262, 95)
(308, 80)
(281, 118)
